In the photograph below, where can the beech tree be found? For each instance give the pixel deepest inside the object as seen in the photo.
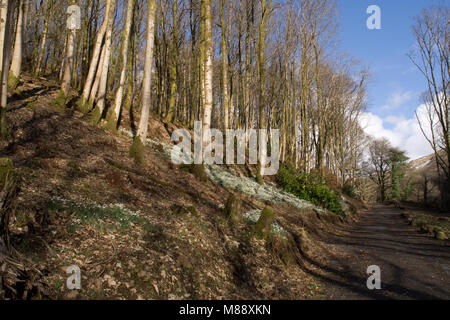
(431, 57)
(16, 64)
(7, 8)
(136, 150)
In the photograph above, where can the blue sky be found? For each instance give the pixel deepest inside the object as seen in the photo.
(395, 86)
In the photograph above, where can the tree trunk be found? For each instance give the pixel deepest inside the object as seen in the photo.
(207, 64)
(101, 102)
(173, 69)
(16, 65)
(226, 98)
(137, 149)
(84, 102)
(125, 67)
(67, 78)
(6, 27)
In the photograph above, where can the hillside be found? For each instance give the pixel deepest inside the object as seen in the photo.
(155, 231)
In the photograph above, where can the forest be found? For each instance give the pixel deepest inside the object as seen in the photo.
(92, 91)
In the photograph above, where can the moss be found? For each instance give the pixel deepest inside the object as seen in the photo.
(3, 125)
(137, 151)
(111, 121)
(6, 170)
(197, 170)
(440, 235)
(30, 105)
(263, 226)
(13, 81)
(59, 104)
(192, 210)
(84, 106)
(232, 208)
(94, 116)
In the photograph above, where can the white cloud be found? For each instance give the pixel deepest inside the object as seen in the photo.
(405, 134)
(397, 99)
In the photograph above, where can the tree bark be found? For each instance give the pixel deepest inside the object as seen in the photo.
(147, 82)
(125, 67)
(16, 65)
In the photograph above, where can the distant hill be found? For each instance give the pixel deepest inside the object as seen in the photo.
(424, 171)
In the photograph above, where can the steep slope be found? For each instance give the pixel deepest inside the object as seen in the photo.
(153, 232)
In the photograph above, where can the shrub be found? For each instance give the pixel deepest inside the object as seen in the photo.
(349, 190)
(310, 187)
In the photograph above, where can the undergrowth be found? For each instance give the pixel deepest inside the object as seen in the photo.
(311, 187)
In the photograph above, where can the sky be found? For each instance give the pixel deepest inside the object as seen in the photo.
(395, 85)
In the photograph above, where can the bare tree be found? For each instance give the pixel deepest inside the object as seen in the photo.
(431, 57)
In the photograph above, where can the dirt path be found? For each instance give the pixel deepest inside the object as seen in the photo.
(413, 265)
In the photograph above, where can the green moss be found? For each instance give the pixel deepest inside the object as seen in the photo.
(59, 104)
(232, 208)
(137, 151)
(111, 121)
(13, 81)
(30, 105)
(84, 106)
(94, 116)
(263, 226)
(3, 126)
(6, 170)
(440, 235)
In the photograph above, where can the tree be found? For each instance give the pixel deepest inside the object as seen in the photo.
(265, 10)
(379, 165)
(69, 63)
(386, 168)
(225, 93)
(85, 102)
(6, 27)
(173, 68)
(432, 33)
(207, 63)
(115, 113)
(97, 113)
(137, 149)
(398, 166)
(16, 65)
